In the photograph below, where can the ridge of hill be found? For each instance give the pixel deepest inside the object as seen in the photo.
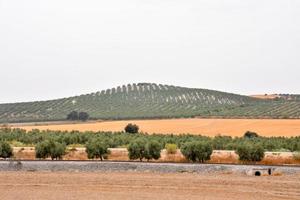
(149, 100)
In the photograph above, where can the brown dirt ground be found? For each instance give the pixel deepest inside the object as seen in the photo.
(137, 185)
(209, 127)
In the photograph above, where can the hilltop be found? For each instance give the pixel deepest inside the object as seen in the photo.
(148, 100)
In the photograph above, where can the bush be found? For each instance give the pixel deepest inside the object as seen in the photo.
(250, 134)
(250, 152)
(197, 151)
(97, 149)
(50, 148)
(171, 148)
(131, 128)
(6, 150)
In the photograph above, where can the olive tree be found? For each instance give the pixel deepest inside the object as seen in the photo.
(250, 152)
(6, 150)
(197, 151)
(140, 149)
(137, 149)
(153, 149)
(97, 148)
(50, 148)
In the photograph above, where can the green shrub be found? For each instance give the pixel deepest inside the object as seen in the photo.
(50, 148)
(171, 148)
(97, 148)
(131, 128)
(6, 150)
(197, 151)
(250, 152)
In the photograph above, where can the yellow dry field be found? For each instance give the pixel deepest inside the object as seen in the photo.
(208, 127)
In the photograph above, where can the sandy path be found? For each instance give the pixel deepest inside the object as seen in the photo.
(210, 127)
(131, 186)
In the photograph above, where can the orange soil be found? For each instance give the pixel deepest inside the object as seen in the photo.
(209, 127)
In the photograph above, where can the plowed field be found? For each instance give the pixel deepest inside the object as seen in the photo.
(138, 185)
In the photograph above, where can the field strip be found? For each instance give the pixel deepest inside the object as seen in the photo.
(209, 127)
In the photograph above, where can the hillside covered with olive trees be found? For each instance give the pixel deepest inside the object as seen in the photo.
(147, 100)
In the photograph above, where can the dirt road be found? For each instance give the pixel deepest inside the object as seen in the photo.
(138, 185)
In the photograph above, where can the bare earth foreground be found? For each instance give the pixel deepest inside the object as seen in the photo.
(209, 127)
(142, 185)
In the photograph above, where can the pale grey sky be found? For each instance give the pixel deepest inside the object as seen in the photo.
(61, 48)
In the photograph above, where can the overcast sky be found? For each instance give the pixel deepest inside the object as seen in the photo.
(61, 48)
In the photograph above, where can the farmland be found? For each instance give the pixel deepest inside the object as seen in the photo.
(148, 101)
(207, 127)
(146, 185)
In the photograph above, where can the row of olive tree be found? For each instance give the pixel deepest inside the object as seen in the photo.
(139, 149)
(194, 151)
(202, 151)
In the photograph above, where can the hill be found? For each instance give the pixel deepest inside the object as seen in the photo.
(146, 100)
